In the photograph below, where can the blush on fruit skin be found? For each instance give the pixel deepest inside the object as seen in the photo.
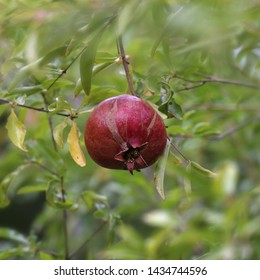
(124, 132)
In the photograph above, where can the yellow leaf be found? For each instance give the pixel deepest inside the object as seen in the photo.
(74, 146)
(16, 131)
(58, 132)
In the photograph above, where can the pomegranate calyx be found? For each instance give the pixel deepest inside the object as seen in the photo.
(131, 155)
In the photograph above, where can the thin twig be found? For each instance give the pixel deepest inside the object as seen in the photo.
(213, 79)
(8, 101)
(64, 71)
(187, 160)
(64, 211)
(44, 167)
(88, 240)
(65, 220)
(49, 121)
(234, 129)
(126, 64)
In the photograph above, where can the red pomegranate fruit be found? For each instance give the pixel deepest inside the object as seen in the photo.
(124, 132)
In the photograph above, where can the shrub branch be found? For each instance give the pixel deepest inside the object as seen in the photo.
(126, 65)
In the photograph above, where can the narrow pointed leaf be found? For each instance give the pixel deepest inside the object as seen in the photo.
(159, 174)
(187, 180)
(56, 198)
(74, 146)
(32, 189)
(60, 105)
(87, 60)
(58, 132)
(16, 131)
(202, 170)
(5, 185)
(13, 235)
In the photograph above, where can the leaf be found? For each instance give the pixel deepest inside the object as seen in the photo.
(55, 197)
(13, 235)
(45, 256)
(23, 73)
(78, 88)
(225, 183)
(159, 174)
(91, 198)
(126, 15)
(169, 106)
(87, 60)
(27, 90)
(202, 170)
(175, 109)
(204, 129)
(74, 146)
(187, 180)
(58, 132)
(13, 253)
(16, 131)
(32, 189)
(98, 68)
(5, 184)
(164, 31)
(60, 105)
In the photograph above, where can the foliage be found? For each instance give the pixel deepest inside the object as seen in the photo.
(196, 62)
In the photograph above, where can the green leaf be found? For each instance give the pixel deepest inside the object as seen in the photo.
(78, 88)
(91, 198)
(23, 73)
(45, 256)
(204, 129)
(5, 184)
(159, 174)
(164, 31)
(56, 198)
(32, 189)
(58, 132)
(175, 109)
(74, 146)
(13, 235)
(204, 171)
(225, 183)
(98, 68)
(27, 90)
(16, 131)
(187, 180)
(87, 60)
(14, 253)
(57, 84)
(126, 15)
(60, 105)
(170, 107)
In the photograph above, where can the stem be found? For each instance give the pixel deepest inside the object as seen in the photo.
(126, 65)
(234, 129)
(7, 101)
(65, 220)
(43, 167)
(50, 123)
(64, 211)
(187, 160)
(213, 79)
(64, 71)
(88, 240)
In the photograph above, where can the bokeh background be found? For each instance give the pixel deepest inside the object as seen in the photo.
(197, 62)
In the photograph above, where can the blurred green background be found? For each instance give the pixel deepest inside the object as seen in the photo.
(198, 62)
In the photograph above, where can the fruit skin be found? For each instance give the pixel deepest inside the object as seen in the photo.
(124, 132)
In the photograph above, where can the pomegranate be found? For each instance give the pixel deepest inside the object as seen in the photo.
(124, 132)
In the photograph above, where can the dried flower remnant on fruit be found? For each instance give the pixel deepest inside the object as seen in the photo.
(124, 132)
